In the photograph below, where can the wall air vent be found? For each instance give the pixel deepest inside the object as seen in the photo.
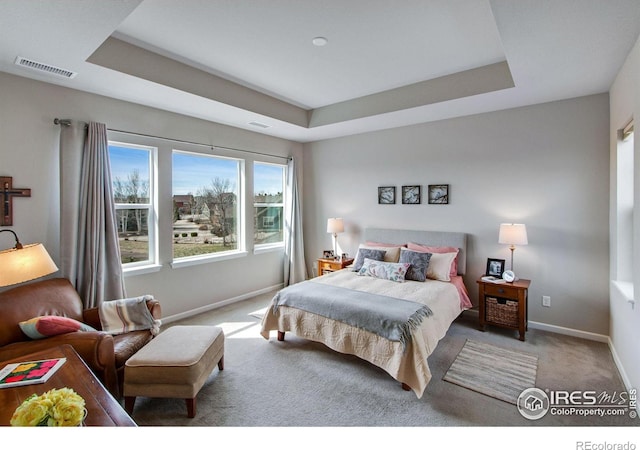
(42, 67)
(259, 125)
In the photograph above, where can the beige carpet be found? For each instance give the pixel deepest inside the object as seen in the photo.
(300, 383)
(493, 371)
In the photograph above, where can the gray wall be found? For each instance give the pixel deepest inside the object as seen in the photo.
(29, 143)
(546, 166)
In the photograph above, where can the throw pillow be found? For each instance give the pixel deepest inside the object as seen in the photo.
(440, 266)
(45, 326)
(419, 263)
(384, 270)
(437, 249)
(370, 253)
(391, 253)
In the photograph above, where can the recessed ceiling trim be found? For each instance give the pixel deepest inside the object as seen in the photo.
(130, 59)
(489, 78)
(44, 67)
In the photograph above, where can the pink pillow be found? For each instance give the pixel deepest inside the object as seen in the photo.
(381, 244)
(44, 326)
(434, 249)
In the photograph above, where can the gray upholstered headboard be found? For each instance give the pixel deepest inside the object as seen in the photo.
(434, 238)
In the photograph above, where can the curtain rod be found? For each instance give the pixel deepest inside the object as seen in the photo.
(67, 122)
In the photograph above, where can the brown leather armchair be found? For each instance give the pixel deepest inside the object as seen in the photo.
(105, 354)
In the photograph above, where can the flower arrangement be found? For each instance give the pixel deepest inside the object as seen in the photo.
(55, 408)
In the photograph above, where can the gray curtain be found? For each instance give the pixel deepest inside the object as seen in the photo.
(90, 254)
(295, 268)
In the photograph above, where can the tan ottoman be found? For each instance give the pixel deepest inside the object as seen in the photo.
(175, 364)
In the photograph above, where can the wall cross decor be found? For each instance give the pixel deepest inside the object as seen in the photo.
(7, 192)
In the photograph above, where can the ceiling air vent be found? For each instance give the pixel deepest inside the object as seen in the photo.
(42, 67)
(259, 125)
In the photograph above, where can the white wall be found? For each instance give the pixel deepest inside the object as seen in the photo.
(29, 153)
(625, 318)
(546, 166)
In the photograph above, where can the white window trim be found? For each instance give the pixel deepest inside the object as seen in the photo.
(149, 265)
(188, 261)
(268, 248)
(274, 246)
(206, 258)
(140, 268)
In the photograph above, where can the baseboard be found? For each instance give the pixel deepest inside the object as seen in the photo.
(569, 331)
(618, 363)
(220, 304)
(558, 329)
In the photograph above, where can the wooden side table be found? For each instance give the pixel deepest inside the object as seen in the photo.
(102, 408)
(504, 304)
(331, 265)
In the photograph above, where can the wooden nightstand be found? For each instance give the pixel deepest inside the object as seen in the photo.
(504, 304)
(331, 265)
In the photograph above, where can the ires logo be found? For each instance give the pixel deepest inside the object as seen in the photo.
(587, 398)
(535, 403)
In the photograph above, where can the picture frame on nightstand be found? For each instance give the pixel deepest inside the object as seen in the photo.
(495, 267)
(328, 254)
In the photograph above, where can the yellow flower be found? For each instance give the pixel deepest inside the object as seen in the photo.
(57, 407)
(31, 412)
(67, 412)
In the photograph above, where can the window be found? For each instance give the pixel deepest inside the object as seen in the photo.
(624, 206)
(268, 203)
(206, 205)
(134, 191)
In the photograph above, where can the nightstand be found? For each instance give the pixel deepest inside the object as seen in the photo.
(504, 304)
(331, 265)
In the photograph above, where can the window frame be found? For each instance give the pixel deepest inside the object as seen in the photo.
(151, 264)
(240, 249)
(272, 246)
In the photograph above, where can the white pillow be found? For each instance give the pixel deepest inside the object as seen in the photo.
(439, 267)
(392, 253)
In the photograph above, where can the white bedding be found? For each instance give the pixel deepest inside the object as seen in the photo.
(409, 367)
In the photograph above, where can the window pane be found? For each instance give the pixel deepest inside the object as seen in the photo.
(131, 182)
(268, 188)
(133, 234)
(130, 173)
(205, 204)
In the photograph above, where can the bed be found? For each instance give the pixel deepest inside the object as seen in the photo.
(357, 313)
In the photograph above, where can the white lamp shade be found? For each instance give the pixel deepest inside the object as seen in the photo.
(335, 225)
(25, 264)
(513, 234)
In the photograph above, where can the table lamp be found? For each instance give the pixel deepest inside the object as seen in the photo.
(335, 226)
(24, 263)
(512, 234)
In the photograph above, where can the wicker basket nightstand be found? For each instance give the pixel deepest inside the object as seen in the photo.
(504, 304)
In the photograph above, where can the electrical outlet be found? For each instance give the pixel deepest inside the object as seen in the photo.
(546, 300)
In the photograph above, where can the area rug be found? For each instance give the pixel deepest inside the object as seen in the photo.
(493, 371)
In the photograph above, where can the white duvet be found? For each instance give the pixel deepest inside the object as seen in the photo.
(409, 367)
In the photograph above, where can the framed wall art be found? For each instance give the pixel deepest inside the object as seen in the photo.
(411, 195)
(438, 194)
(387, 195)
